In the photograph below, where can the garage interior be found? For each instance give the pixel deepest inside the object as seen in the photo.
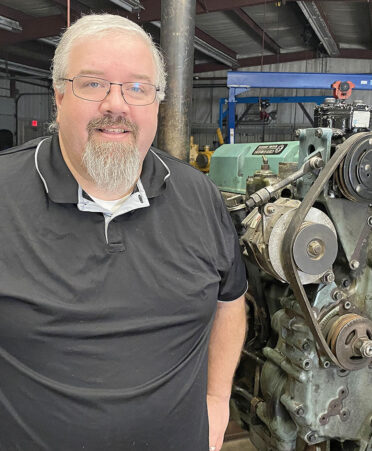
(271, 36)
(262, 85)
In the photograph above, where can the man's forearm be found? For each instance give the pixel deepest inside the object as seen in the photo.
(227, 337)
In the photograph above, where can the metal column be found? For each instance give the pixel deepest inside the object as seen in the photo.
(177, 42)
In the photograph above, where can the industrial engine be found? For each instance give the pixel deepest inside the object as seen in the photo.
(303, 213)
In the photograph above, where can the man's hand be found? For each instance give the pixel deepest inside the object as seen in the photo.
(218, 416)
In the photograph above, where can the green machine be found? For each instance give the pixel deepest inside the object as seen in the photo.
(232, 164)
(303, 213)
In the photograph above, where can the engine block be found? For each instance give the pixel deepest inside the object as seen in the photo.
(305, 377)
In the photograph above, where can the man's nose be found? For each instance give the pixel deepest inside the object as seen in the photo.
(114, 102)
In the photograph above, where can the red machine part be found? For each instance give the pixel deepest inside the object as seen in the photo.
(342, 89)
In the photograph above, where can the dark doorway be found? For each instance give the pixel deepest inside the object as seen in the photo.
(6, 139)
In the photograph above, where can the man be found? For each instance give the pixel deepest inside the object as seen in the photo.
(114, 258)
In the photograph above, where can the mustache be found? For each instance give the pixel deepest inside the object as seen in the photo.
(108, 121)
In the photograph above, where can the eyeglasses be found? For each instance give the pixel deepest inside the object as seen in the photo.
(97, 89)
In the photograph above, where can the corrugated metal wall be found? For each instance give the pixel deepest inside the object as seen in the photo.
(289, 116)
(29, 103)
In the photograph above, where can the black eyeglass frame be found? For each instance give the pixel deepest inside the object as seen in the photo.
(157, 89)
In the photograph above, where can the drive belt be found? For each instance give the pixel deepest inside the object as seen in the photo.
(290, 269)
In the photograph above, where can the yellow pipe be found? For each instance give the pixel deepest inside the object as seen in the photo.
(220, 137)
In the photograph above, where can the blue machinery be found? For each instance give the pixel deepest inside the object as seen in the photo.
(239, 82)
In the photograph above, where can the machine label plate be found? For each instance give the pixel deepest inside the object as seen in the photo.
(361, 119)
(269, 149)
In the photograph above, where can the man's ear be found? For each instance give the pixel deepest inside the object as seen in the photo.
(58, 96)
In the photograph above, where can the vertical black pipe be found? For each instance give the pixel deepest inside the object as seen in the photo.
(177, 42)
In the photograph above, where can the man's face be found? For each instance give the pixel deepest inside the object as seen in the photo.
(118, 59)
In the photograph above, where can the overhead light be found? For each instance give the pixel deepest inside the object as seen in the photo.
(320, 26)
(9, 24)
(129, 5)
(209, 50)
(23, 69)
(51, 40)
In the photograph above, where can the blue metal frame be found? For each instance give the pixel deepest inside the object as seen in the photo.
(239, 82)
(294, 99)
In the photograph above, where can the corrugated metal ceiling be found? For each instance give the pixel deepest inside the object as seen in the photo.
(350, 23)
(289, 35)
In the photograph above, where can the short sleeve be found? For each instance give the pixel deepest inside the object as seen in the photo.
(233, 282)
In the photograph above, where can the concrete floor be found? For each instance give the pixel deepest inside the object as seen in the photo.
(243, 444)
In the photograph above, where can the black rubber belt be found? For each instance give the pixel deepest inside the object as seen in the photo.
(290, 269)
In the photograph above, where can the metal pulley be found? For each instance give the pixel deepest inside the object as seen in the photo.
(350, 339)
(354, 175)
(315, 246)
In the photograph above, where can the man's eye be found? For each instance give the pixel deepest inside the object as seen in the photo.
(94, 84)
(136, 89)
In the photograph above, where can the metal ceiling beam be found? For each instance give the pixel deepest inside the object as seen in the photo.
(75, 6)
(283, 58)
(152, 7)
(223, 5)
(215, 43)
(269, 43)
(37, 27)
(32, 50)
(202, 4)
(22, 59)
(319, 23)
(151, 12)
(359, 54)
(256, 61)
(212, 47)
(14, 14)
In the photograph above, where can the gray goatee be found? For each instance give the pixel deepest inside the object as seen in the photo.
(112, 165)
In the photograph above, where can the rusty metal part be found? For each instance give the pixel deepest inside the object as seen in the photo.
(294, 227)
(318, 447)
(233, 202)
(253, 357)
(264, 195)
(335, 408)
(363, 346)
(349, 338)
(315, 249)
(255, 402)
(328, 315)
(328, 277)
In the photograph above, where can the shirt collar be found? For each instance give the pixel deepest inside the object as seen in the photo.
(62, 187)
(154, 174)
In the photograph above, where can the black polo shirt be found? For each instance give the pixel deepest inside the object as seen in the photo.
(104, 336)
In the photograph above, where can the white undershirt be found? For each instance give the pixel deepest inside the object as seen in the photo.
(111, 205)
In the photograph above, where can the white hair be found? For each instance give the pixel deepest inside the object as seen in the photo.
(92, 25)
